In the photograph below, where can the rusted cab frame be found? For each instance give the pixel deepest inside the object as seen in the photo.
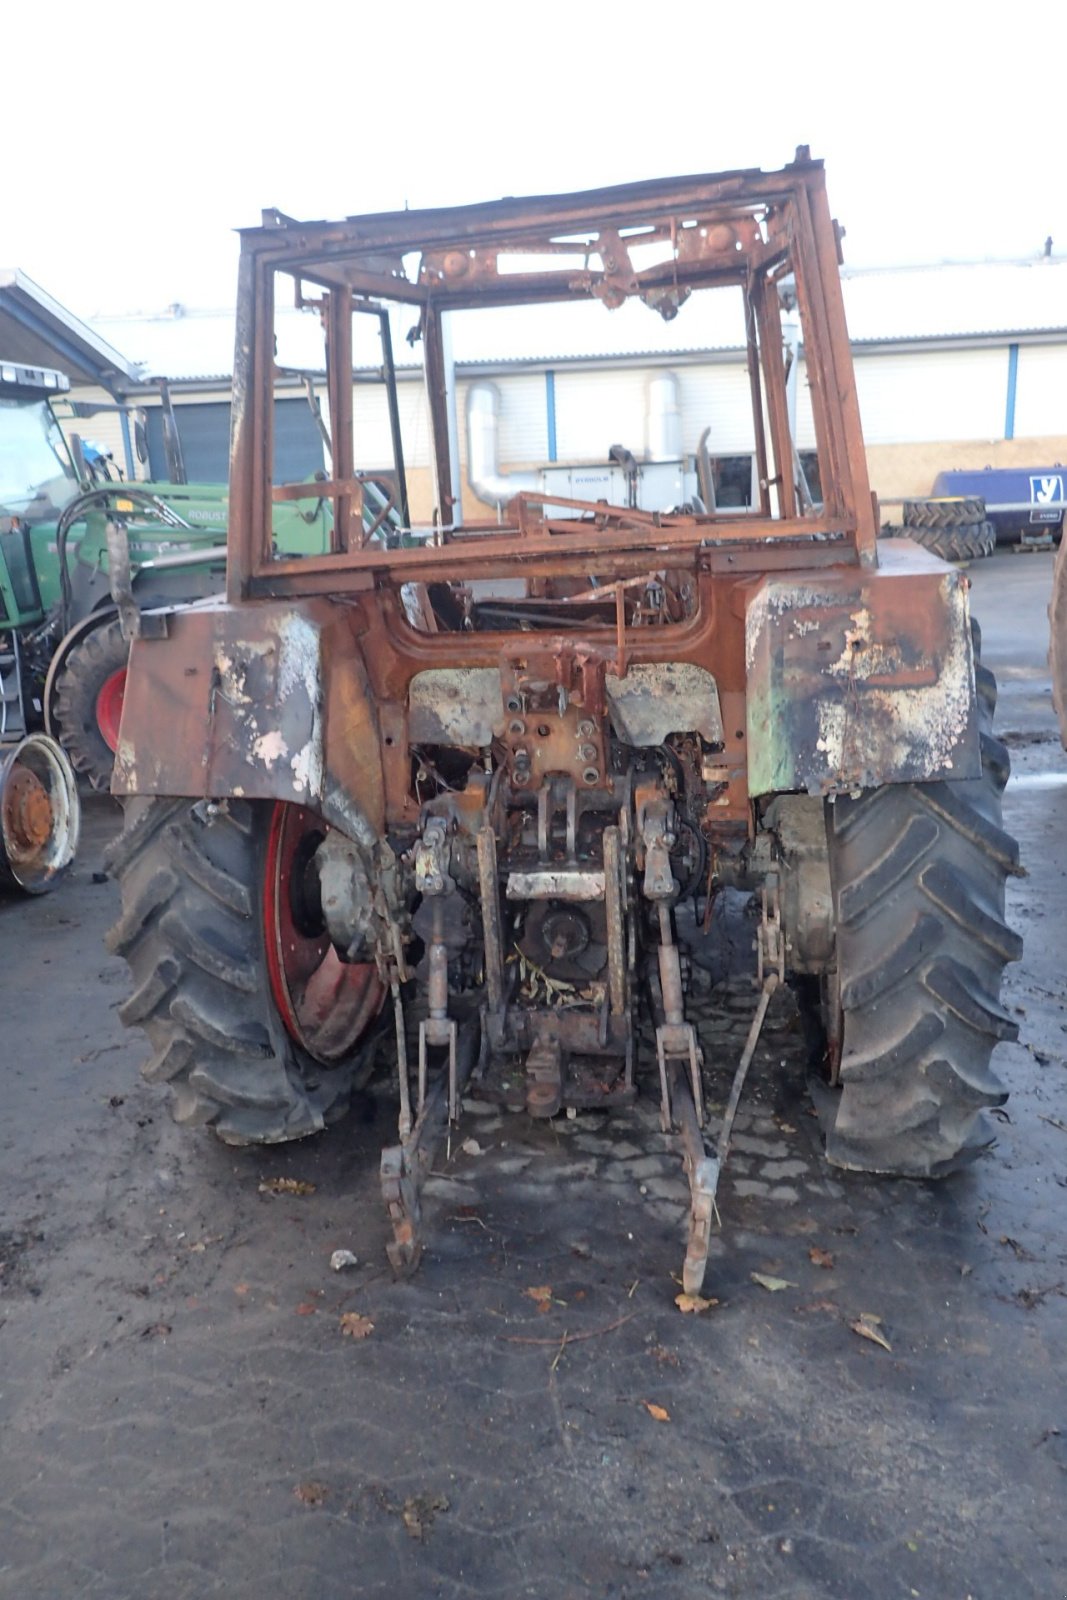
(816, 637)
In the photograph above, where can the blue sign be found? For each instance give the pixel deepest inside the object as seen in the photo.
(1046, 497)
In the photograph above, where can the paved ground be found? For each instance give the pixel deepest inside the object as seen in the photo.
(181, 1414)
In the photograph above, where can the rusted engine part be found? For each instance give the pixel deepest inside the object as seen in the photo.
(405, 1166)
(573, 871)
(702, 1169)
(560, 940)
(793, 844)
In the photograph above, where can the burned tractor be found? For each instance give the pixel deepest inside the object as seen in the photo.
(450, 782)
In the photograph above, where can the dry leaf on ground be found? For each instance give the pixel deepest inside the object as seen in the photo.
(471, 1147)
(820, 1257)
(356, 1326)
(766, 1281)
(311, 1493)
(868, 1326)
(693, 1302)
(541, 1294)
(286, 1186)
(657, 1413)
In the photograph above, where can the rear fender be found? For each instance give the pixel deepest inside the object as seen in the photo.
(232, 701)
(857, 677)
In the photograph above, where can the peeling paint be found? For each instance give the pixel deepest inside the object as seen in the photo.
(270, 747)
(883, 694)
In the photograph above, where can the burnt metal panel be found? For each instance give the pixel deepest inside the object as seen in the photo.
(269, 702)
(858, 678)
(242, 707)
(653, 701)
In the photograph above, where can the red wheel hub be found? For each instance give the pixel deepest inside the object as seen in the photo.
(109, 707)
(325, 1003)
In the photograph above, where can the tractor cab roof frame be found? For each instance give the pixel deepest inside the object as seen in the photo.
(747, 229)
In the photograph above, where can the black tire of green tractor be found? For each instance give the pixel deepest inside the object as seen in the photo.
(965, 541)
(91, 662)
(937, 513)
(191, 929)
(918, 873)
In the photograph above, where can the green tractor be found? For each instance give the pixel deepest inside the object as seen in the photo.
(59, 497)
(39, 809)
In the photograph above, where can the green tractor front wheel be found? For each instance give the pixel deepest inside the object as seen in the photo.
(87, 705)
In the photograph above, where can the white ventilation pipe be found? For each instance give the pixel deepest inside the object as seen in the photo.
(493, 487)
(663, 425)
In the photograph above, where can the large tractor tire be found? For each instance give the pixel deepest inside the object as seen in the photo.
(941, 512)
(88, 702)
(255, 1023)
(1057, 637)
(956, 541)
(918, 873)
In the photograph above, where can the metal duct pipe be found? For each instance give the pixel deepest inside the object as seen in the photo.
(493, 487)
(664, 419)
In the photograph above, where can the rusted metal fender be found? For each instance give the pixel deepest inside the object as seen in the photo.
(858, 677)
(231, 703)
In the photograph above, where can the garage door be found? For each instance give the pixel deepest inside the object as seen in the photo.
(205, 436)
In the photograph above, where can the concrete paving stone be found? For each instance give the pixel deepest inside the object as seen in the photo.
(650, 1167)
(668, 1188)
(773, 1149)
(784, 1194)
(564, 1171)
(773, 1170)
(750, 1189)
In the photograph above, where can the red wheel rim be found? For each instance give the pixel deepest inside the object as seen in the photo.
(325, 1003)
(109, 707)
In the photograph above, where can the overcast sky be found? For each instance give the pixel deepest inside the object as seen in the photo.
(138, 136)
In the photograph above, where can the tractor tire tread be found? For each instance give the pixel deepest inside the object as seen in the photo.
(955, 541)
(188, 885)
(951, 510)
(918, 874)
(91, 661)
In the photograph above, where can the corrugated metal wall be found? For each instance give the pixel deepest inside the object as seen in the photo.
(917, 397)
(1041, 390)
(932, 394)
(523, 417)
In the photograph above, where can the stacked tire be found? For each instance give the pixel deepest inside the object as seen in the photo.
(953, 527)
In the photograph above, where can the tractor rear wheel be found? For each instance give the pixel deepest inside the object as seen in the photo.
(918, 873)
(255, 1023)
(88, 702)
